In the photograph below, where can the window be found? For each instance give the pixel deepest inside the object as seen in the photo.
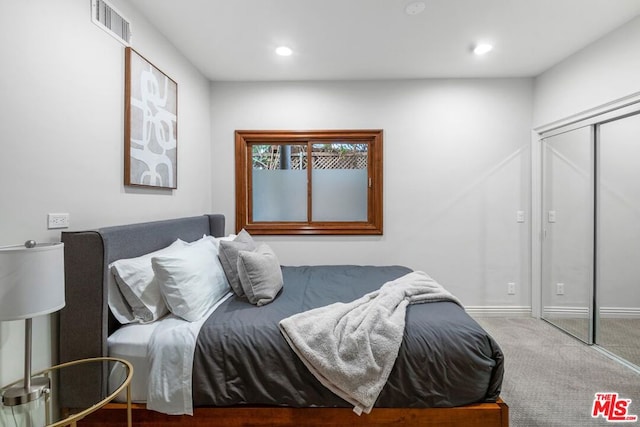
(309, 182)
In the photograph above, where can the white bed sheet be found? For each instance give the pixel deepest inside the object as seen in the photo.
(162, 357)
(130, 342)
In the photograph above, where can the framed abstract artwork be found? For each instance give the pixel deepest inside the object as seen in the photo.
(150, 125)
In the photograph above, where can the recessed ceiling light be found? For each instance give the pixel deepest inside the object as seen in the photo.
(415, 8)
(482, 48)
(284, 51)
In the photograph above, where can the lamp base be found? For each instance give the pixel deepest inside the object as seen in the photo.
(19, 395)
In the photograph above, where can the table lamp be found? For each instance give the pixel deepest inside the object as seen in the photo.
(31, 284)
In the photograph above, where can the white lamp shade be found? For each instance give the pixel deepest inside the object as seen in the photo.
(31, 280)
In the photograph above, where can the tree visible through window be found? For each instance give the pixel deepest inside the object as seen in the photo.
(309, 182)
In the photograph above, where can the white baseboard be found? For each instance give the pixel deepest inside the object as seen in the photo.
(565, 312)
(583, 312)
(499, 311)
(620, 312)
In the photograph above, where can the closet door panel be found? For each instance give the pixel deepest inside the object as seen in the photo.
(618, 238)
(567, 275)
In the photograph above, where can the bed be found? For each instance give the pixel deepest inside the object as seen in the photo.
(463, 389)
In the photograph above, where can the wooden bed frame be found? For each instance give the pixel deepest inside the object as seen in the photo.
(85, 324)
(477, 415)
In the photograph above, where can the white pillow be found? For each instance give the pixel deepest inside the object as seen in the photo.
(136, 281)
(191, 280)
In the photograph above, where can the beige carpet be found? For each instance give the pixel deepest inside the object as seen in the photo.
(551, 378)
(619, 336)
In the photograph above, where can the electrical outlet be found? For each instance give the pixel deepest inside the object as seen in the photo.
(511, 288)
(58, 220)
(559, 288)
(520, 216)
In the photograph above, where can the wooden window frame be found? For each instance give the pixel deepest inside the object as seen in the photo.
(243, 141)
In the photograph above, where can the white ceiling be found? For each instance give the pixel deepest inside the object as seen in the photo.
(234, 40)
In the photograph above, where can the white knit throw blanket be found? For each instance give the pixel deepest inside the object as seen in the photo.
(352, 347)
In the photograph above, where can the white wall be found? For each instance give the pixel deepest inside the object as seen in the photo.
(61, 109)
(602, 72)
(456, 170)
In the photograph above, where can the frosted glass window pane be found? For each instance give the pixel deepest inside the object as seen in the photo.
(339, 194)
(279, 195)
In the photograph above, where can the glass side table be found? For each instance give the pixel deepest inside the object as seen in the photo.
(39, 413)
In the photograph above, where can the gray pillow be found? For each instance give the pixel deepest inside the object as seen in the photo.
(260, 274)
(228, 255)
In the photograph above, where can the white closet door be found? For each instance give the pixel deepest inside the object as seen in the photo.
(618, 238)
(568, 223)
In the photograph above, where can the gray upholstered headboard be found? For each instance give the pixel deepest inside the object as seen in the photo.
(85, 321)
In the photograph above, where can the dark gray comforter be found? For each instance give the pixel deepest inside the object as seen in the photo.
(446, 359)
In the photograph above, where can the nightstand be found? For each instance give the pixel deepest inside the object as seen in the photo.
(120, 374)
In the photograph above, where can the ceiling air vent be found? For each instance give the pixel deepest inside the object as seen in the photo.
(111, 21)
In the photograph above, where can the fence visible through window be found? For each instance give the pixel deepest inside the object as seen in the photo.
(324, 156)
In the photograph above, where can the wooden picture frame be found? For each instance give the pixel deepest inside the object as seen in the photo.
(150, 125)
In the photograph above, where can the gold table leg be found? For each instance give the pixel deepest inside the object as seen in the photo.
(129, 421)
